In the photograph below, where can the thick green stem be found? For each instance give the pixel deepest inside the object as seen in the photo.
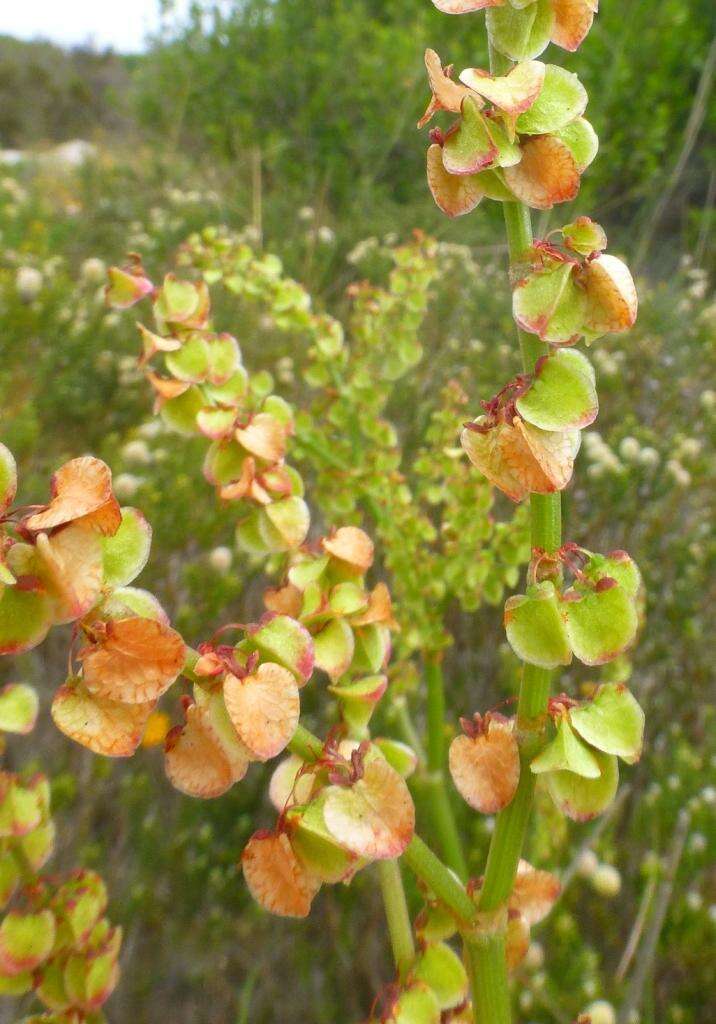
(430, 869)
(441, 812)
(485, 963)
(397, 916)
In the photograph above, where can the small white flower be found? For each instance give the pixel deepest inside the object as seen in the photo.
(587, 864)
(697, 843)
(694, 900)
(306, 213)
(606, 880)
(629, 449)
(93, 270)
(28, 282)
(708, 399)
(221, 558)
(137, 451)
(126, 485)
(601, 1012)
(681, 476)
(150, 429)
(649, 457)
(326, 235)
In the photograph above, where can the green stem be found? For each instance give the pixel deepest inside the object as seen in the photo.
(305, 744)
(439, 879)
(485, 962)
(397, 916)
(441, 812)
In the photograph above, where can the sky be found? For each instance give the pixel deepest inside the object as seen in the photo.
(122, 24)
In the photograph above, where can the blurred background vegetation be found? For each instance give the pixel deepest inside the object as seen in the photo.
(292, 124)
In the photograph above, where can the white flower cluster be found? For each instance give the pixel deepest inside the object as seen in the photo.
(601, 457)
(609, 363)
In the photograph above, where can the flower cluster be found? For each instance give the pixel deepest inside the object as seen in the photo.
(519, 137)
(206, 390)
(54, 937)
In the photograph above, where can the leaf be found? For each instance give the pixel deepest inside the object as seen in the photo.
(282, 639)
(446, 93)
(486, 768)
(264, 708)
(415, 1004)
(288, 786)
(547, 173)
(583, 799)
(316, 848)
(600, 623)
(550, 304)
(561, 99)
(442, 970)
(612, 721)
(581, 140)
(275, 877)
(180, 413)
(517, 939)
(104, 726)
(464, 6)
(125, 554)
(485, 450)
(454, 194)
(283, 525)
(554, 451)
(263, 436)
(133, 660)
(572, 21)
(26, 941)
(566, 752)
(333, 648)
(469, 148)
(8, 479)
(19, 705)
(190, 363)
(374, 817)
(126, 287)
(196, 760)
(69, 563)
(534, 893)
(25, 618)
(512, 93)
(584, 236)
(563, 394)
(81, 490)
(521, 34)
(398, 755)
(535, 628)
(611, 295)
(358, 700)
(372, 648)
(350, 545)
(127, 601)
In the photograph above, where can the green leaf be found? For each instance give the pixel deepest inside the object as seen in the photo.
(284, 524)
(8, 479)
(619, 566)
(372, 648)
(581, 140)
(399, 755)
(470, 148)
(126, 601)
(25, 618)
(415, 1005)
(281, 639)
(347, 598)
(580, 798)
(442, 970)
(600, 624)
(334, 646)
(520, 34)
(125, 554)
(18, 708)
(316, 848)
(563, 393)
(358, 701)
(612, 722)
(535, 628)
(190, 362)
(550, 304)
(180, 413)
(26, 941)
(566, 752)
(584, 236)
(562, 99)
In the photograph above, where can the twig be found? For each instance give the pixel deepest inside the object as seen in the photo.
(647, 954)
(636, 932)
